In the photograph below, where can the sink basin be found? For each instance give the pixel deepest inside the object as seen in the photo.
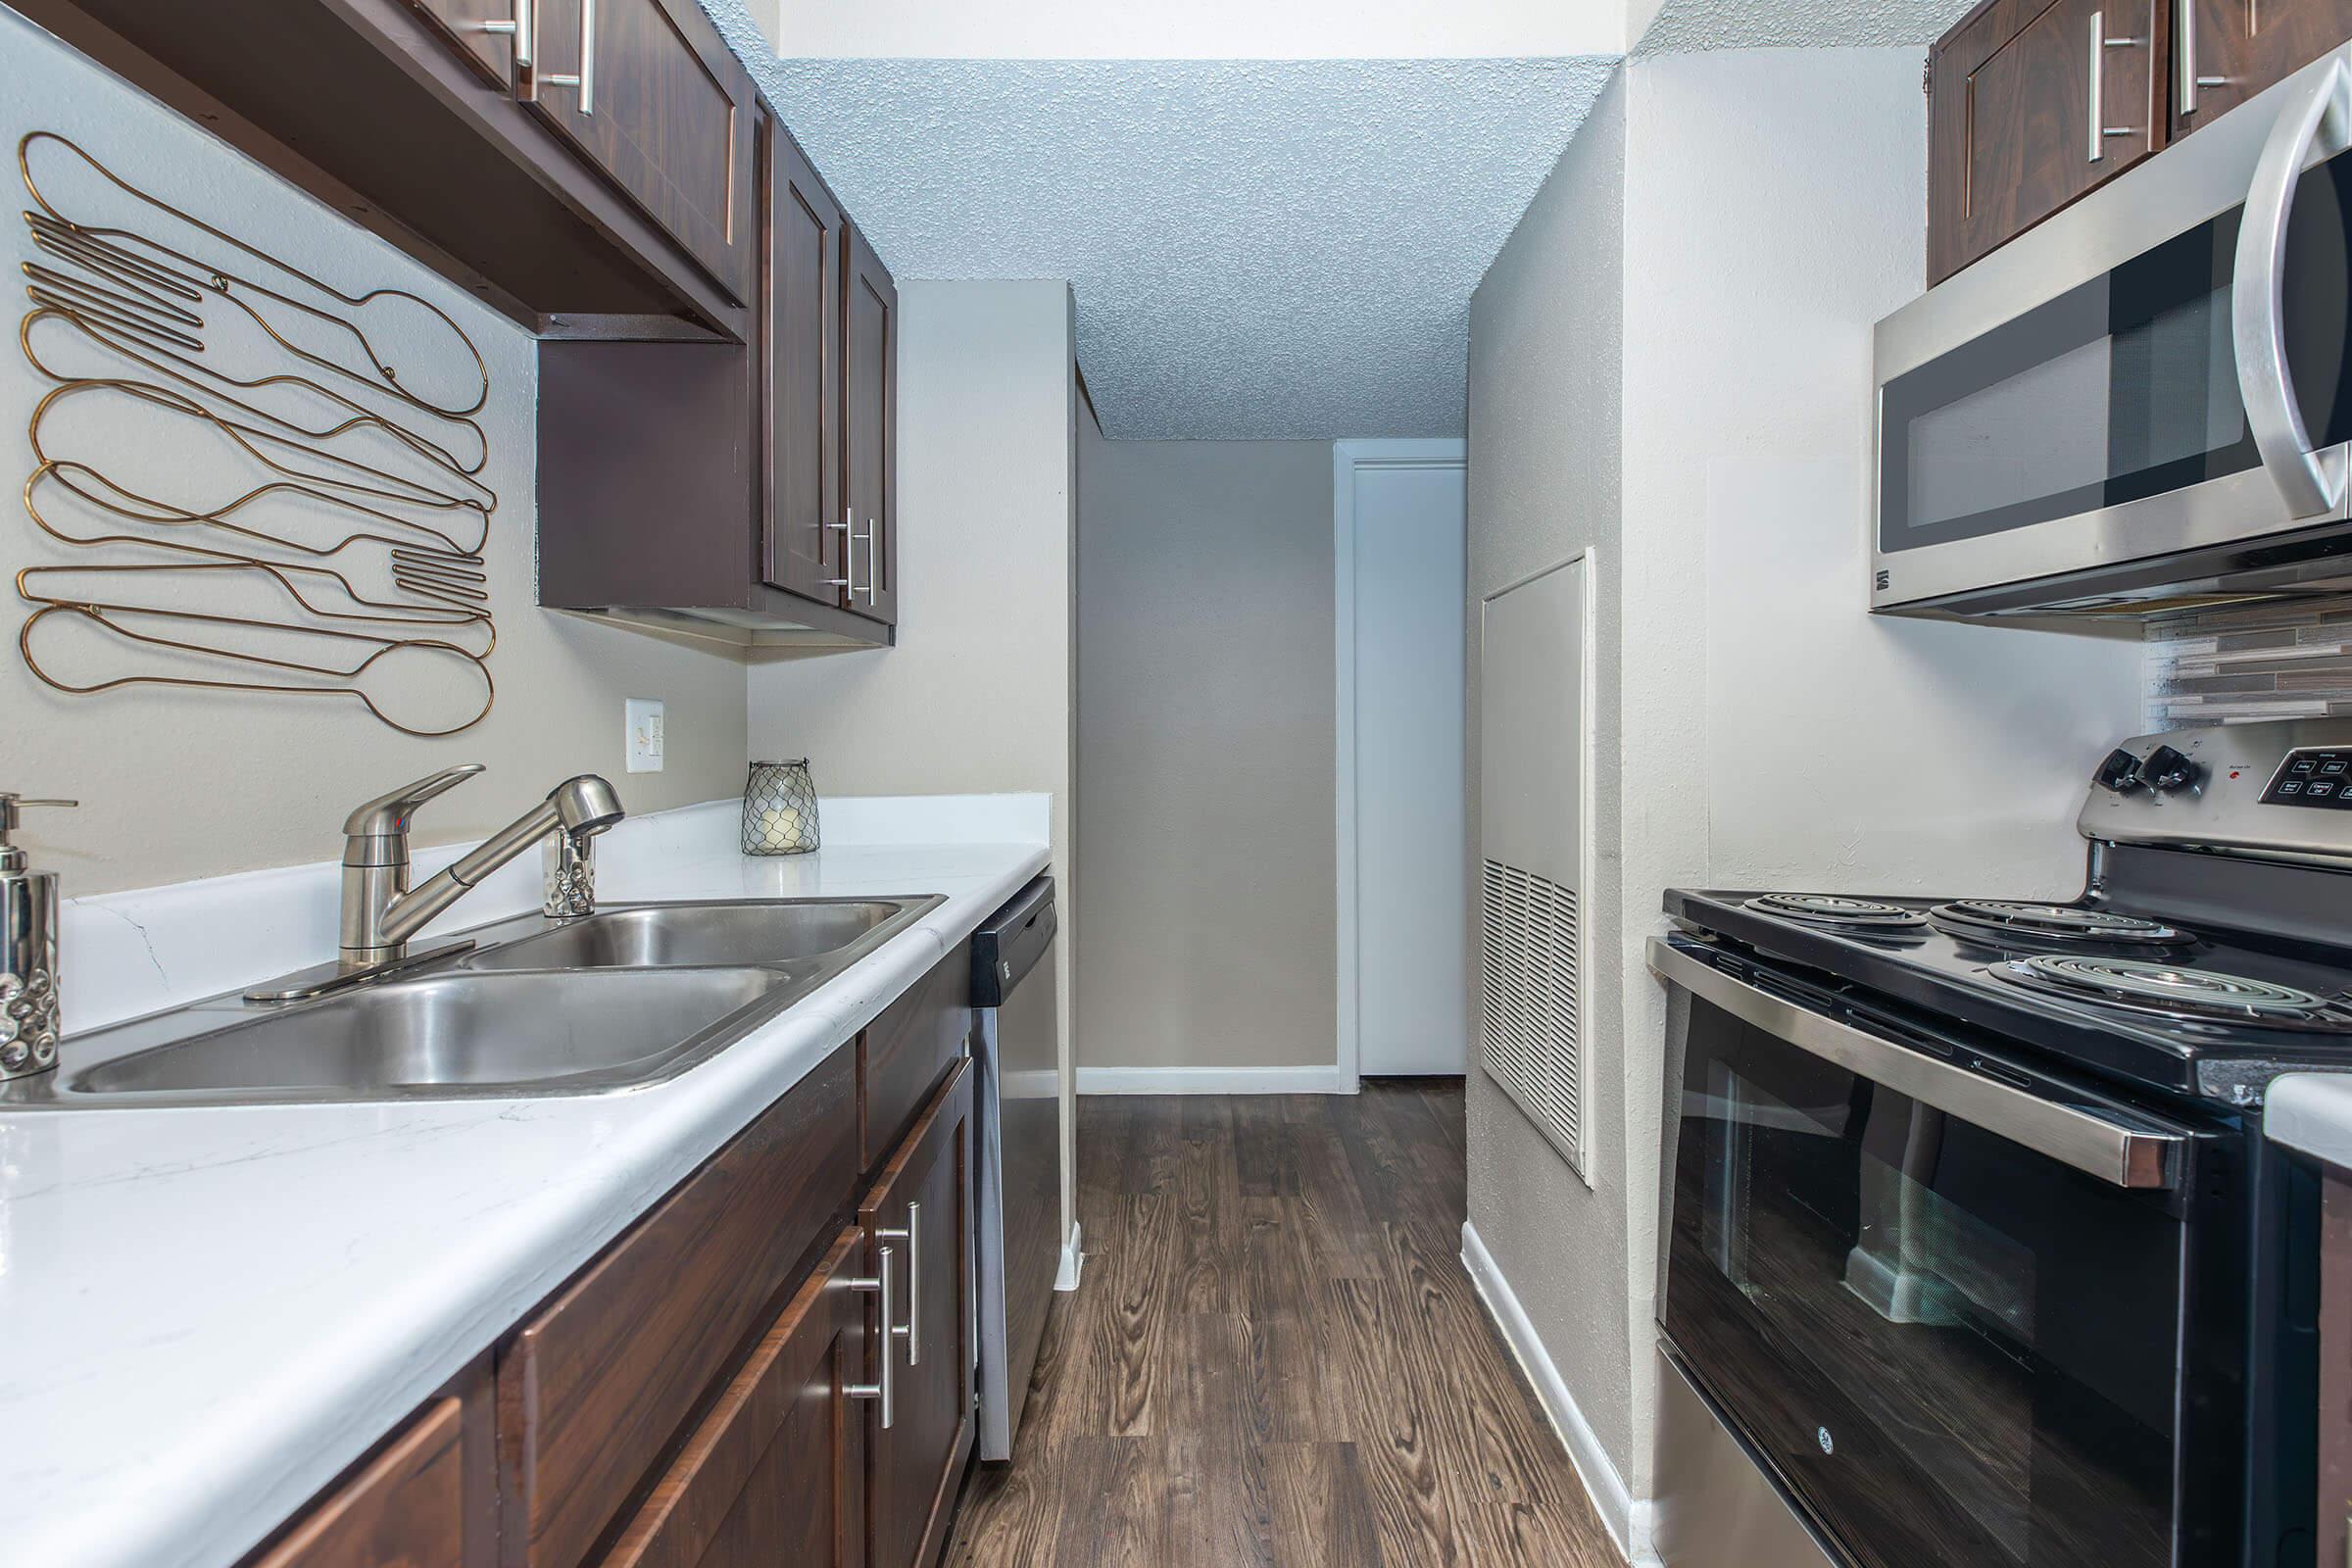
(627, 996)
(662, 936)
(454, 1034)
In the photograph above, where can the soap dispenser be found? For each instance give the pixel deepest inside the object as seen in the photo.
(27, 953)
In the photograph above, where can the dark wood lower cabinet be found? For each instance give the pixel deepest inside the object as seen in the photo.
(426, 1498)
(920, 1211)
(776, 1472)
(595, 1386)
(706, 1392)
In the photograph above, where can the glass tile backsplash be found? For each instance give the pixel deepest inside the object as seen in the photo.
(2288, 659)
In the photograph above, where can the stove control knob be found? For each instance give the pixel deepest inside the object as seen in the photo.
(2120, 772)
(2167, 770)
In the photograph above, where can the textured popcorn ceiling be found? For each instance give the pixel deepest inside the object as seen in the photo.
(1684, 25)
(1259, 250)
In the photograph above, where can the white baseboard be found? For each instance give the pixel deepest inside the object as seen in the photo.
(1325, 1080)
(1073, 1263)
(1625, 1518)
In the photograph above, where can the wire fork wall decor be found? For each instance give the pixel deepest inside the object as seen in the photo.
(343, 556)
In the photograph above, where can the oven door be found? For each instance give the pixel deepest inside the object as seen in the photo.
(2115, 404)
(1946, 1308)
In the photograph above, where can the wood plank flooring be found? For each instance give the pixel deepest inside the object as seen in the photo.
(1275, 1358)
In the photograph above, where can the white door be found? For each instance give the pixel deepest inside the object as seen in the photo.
(1410, 973)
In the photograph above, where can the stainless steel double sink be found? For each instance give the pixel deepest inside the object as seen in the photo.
(624, 996)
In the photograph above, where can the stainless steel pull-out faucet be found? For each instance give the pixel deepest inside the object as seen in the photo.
(381, 911)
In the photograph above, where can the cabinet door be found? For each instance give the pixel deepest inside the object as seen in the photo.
(482, 31)
(646, 91)
(776, 1471)
(870, 412)
(2226, 51)
(807, 533)
(2032, 105)
(921, 1208)
(406, 1509)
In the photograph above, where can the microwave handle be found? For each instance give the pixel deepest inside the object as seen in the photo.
(2118, 1155)
(2315, 122)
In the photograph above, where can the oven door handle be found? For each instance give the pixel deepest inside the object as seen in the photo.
(2123, 1157)
(2315, 122)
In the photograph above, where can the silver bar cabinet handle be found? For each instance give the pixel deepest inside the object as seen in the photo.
(585, 77)
(873, 570)
(2098, 86)
(886, 1391)
(518, 30)
(2118, 1155)
(848, 580)
(2185, 55)
(912, 1331)
(2184, 52)
(2317, 119)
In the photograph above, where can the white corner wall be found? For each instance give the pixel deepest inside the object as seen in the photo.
(1759, 727)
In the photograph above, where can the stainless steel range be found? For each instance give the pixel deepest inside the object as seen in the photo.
(1977, 1254)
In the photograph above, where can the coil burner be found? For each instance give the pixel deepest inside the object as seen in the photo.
(2002, 920)
(1832, 912)
(2176, 992)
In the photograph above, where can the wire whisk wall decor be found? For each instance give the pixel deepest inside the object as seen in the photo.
(268, 502)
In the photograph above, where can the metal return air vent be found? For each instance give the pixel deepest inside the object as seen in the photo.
(1527, 973)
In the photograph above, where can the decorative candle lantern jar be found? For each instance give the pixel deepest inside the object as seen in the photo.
(779, 809)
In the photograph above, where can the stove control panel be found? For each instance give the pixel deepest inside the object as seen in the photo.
(2279, 791)
(2318, 777)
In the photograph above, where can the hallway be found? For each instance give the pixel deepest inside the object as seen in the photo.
(1276, 1356)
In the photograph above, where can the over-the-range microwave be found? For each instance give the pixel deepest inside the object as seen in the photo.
(2145, 403)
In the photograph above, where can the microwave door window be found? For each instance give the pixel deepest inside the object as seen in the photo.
(2039, 436)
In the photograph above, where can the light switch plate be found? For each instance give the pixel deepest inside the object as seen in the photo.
(642, 716)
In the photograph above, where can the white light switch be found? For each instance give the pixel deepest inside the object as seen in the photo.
(643, 717)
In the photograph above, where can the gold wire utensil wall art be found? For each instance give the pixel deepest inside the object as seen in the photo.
(269, 504)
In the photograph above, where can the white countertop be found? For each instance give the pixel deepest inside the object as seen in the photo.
(210, 1313)
(2311, 1112)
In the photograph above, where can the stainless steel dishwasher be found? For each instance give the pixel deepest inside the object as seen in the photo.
(1019, 1152)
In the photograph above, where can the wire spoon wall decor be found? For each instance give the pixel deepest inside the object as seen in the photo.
(309, 518)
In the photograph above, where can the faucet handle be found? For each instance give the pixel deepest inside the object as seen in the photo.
(387, 815)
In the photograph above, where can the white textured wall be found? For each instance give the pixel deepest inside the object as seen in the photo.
(1546, 340)
(1074, 29)
(1206, 725)
(979, 695)
(1768, 732)
(258, 781)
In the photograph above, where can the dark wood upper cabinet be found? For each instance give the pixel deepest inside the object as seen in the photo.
(486, 33)
(2226, 51)
(870, 411)
(701, 485)
(632, 221)
(2035, 103)
(647, 91)
(2031, 105)
(807, 530)
(921, 1208)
